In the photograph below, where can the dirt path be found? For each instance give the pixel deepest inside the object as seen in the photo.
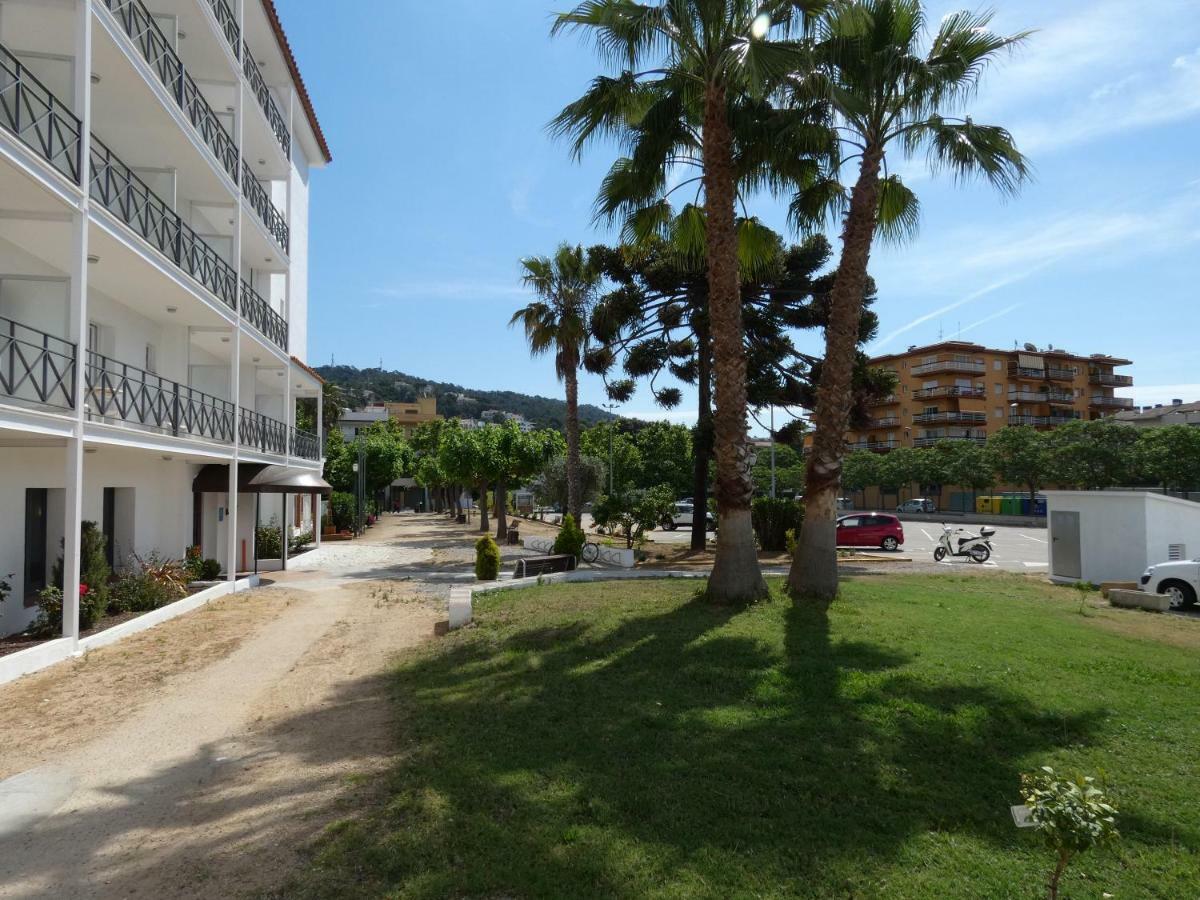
(197, 758)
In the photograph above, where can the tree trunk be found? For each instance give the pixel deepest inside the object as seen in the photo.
(483, 508)
(702, 438)
(736, 576)
(814, 572)
(574, 500)
(501, 512)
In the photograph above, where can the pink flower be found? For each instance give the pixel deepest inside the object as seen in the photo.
(83, 589)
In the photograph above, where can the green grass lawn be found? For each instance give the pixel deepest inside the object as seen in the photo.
(623, 740)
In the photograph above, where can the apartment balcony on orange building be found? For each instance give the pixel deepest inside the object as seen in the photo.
(884, 422)
(884, 401)
(950, 363)
(951, 417)
(1103, 402)
(1042, 373)
(975, 392)
(1108, 378)
(1052, 396)
(1042, 421)
(878, 446)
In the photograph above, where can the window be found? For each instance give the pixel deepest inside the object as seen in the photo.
(930, 384)
(930, 410)
(962, 382)
(999, 412)
(151, 362)
(996, 365)
(999, 390)
(851, 522)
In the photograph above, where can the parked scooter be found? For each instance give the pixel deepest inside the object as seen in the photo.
(978, 547)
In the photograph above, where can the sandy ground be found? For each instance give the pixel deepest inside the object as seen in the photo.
(198, 758)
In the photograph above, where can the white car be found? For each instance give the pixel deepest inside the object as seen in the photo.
(917, 505)
(683, 516)
(1180, 580)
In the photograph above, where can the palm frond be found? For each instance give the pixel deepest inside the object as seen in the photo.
(899, 214)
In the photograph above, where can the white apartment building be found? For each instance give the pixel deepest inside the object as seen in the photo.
(155, 158)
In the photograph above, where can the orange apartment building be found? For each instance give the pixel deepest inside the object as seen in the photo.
(959, 390)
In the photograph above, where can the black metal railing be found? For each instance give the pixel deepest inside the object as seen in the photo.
(258, 312)
(36, 367)
(1096, 376)
(228, 22)
(261, 201)
(305, 445)
(929, 440)
(117, 390)
(123, 193)
(259, 87)
(951, 417)
(873, 445)
(38, 118)
(949, 390)
(262, 432)
(139, 24)
(887, 422)
(950, 364)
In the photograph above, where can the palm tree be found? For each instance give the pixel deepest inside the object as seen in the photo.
(566, 285)
(885, 94)
(688, 69)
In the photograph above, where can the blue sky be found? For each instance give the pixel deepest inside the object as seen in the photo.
(444, 176)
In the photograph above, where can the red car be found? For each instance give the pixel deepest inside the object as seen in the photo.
(870, 530)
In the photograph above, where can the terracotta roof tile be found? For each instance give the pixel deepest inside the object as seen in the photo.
(305, 100)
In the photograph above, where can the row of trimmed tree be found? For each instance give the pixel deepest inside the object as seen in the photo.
(724, 101)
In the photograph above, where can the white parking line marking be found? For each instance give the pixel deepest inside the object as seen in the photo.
(1034, 565)
(927, 534)
(1028, 538)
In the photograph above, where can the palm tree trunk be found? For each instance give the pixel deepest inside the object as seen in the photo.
(814, 572)
(574, 490)
(736, 576)
(702, 438)
(483, 507)
(501, 512)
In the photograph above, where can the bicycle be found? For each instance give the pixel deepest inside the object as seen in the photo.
(590, 553)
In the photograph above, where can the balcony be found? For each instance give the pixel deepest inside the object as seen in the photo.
(1111, 402)
(261, 201)
(873, 445)
(157, 51)
(1049, 373)
(884, 401)
(1041, 421)
(305, 444)
(950, 364)
(1109, 379)
(886, 422)
(37, 118)
(125, 195)
(259, 313)
(36, 368)
(930, 440)
(262, 93)
(133, 396)
(951, 418)
(259, 432)
(950, 390)
(1048, 396)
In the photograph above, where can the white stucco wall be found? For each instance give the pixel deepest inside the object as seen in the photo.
(298, 223)
(162, 515)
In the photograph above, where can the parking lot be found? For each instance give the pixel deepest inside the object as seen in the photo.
(1014, 549)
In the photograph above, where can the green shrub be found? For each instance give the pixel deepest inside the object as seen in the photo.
(789, 541)
(154, 582)
(94, 570)
(210, 570)
(1072, 815)
(268, 541)
(570, 538)
(341, 509)
(193, 563)
(772, 518)
(487, 559)
(298, 542)
(49, 621)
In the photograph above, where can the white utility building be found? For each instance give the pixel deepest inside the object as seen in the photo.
(1101, 536)
(155, 158)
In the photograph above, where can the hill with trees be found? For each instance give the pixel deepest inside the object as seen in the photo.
(362, 386)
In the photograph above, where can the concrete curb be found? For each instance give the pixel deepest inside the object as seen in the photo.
(1139, 600)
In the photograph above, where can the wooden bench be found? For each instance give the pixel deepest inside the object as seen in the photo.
(528, 566)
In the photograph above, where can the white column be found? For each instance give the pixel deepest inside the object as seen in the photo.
(77, 329)
(235, 362)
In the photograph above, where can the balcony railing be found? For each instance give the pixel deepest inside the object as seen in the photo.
(263, 94)
(884, 401)
(258, 313)
(950, 390)
(887, 422)
(262, 432)
(1049, 373)
(929, 440)
(1039, 421)
(951, 417)
(228, 22)
(38, 118)
(36, 367)
(873, 445)
(117, 390)
(1056, 397)
(1114, 402)
(1095, 376)
(950, 364)
(261, 201)
(123, 193)
(305, 445)
(139, 24)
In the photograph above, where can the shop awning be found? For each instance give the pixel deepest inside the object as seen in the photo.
(257, 478)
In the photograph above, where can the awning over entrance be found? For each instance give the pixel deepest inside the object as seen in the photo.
(257, 478)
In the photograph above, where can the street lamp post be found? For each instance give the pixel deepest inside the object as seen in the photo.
(612, 426)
